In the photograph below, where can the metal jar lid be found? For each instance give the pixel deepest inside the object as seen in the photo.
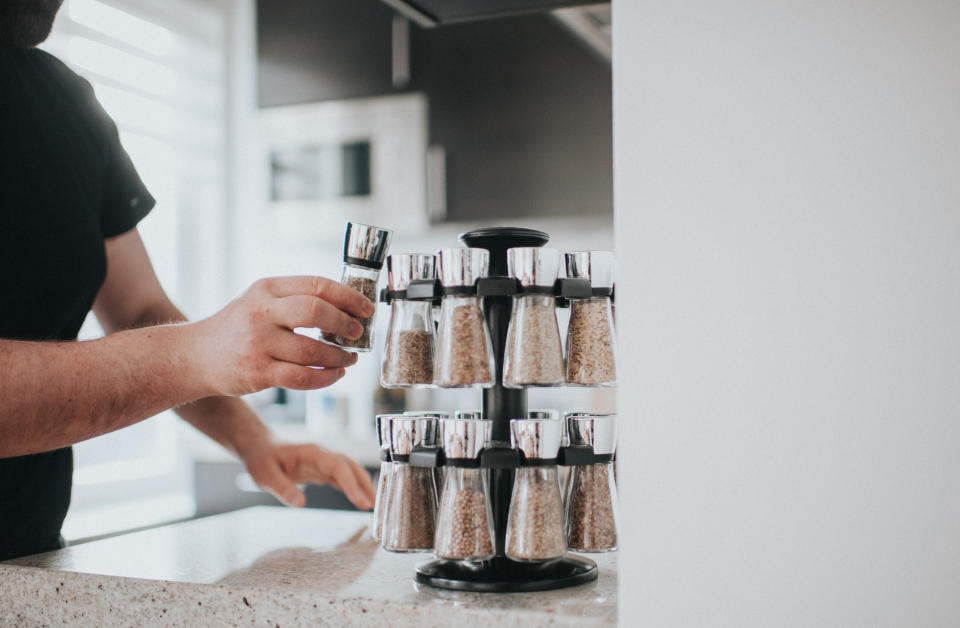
(537, 438)
(365, 245)
(465, 439)
(597, 266)
(596, 430)
(468, 414)
(533, 265)
(543, 413)
(436, 414)
(383, 430)
(407, 432)
(462, 266)
(403, 268)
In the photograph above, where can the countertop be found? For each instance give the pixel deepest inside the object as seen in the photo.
(269, 566)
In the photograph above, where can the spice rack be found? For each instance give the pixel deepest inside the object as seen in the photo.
(500, 404)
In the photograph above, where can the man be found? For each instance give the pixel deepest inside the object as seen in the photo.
(70, 200)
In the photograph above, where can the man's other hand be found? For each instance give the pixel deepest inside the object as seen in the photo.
(278, 469)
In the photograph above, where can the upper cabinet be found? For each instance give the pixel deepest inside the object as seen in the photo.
(436, 12)
(518, 109)
(318, 50)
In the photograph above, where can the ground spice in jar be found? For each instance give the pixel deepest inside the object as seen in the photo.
(409, 360)
(411, 511)
(535, 530)
(469, 360)
(590, 345)
(538, 357)
(464, 530)
(591, 523)
(368, 288)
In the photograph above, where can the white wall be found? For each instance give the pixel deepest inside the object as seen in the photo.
(788, 196)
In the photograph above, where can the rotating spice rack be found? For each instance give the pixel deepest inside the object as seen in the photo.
(500, 404)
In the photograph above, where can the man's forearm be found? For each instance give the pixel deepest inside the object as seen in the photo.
(227, 420)
(53, 394)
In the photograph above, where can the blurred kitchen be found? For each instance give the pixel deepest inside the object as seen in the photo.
(262, 127)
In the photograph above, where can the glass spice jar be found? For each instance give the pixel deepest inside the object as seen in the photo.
(464, 353)
(591, 495)
(591, 341)
(364, 249)
(465, 519)
(408, 357)
(410, 522)
(439, 415)
(535, 527)
(534, 353)
(383, 482)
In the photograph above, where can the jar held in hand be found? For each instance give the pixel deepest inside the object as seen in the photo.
(364, 250)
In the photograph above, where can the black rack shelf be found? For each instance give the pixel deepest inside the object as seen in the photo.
(500, 404)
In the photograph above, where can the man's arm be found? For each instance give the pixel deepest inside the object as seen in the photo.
(133, 297)
(53, 394)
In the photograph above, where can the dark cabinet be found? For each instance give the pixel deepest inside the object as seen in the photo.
(521, 108)
(315, 50)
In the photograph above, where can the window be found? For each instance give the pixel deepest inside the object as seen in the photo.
(159, 69)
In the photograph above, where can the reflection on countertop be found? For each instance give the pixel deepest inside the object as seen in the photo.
(270, 564)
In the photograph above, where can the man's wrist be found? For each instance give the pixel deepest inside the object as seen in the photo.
(192, 361)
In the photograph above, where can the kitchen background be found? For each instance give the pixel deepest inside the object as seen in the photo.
(261, 127)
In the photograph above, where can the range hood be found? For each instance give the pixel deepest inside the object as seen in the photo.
(437, 12)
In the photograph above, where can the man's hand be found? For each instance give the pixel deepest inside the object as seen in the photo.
(278, 469)
(250, 344)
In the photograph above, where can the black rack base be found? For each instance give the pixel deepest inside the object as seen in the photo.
(502, 575)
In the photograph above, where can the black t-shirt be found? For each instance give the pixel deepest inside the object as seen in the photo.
(66, 184)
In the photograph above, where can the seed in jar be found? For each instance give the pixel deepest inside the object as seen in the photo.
(409, 358)
(464, 529)
(591, 521)
(535, 530)
(368, 288)
(533, 342)
(590, 343)
(411, 510)
(469, 362)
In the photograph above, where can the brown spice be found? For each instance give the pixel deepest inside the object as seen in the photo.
(534, 353)
(464, 528)
(590, 345)
(409, 358)
(468, 358)
(411, 510)
(591, 522)
(368, 288)
(535, 526)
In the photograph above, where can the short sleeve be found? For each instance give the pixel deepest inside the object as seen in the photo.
(126, 200)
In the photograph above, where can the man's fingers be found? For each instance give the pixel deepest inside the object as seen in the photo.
(297, 377)
(344, 476)
(339, 295)
(304, 311)
(364, 481)
(287, 346)
(271, 478)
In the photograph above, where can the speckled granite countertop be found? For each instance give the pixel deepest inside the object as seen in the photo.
(269, 566)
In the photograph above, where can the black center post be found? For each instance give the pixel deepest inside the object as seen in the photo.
(500, 404)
